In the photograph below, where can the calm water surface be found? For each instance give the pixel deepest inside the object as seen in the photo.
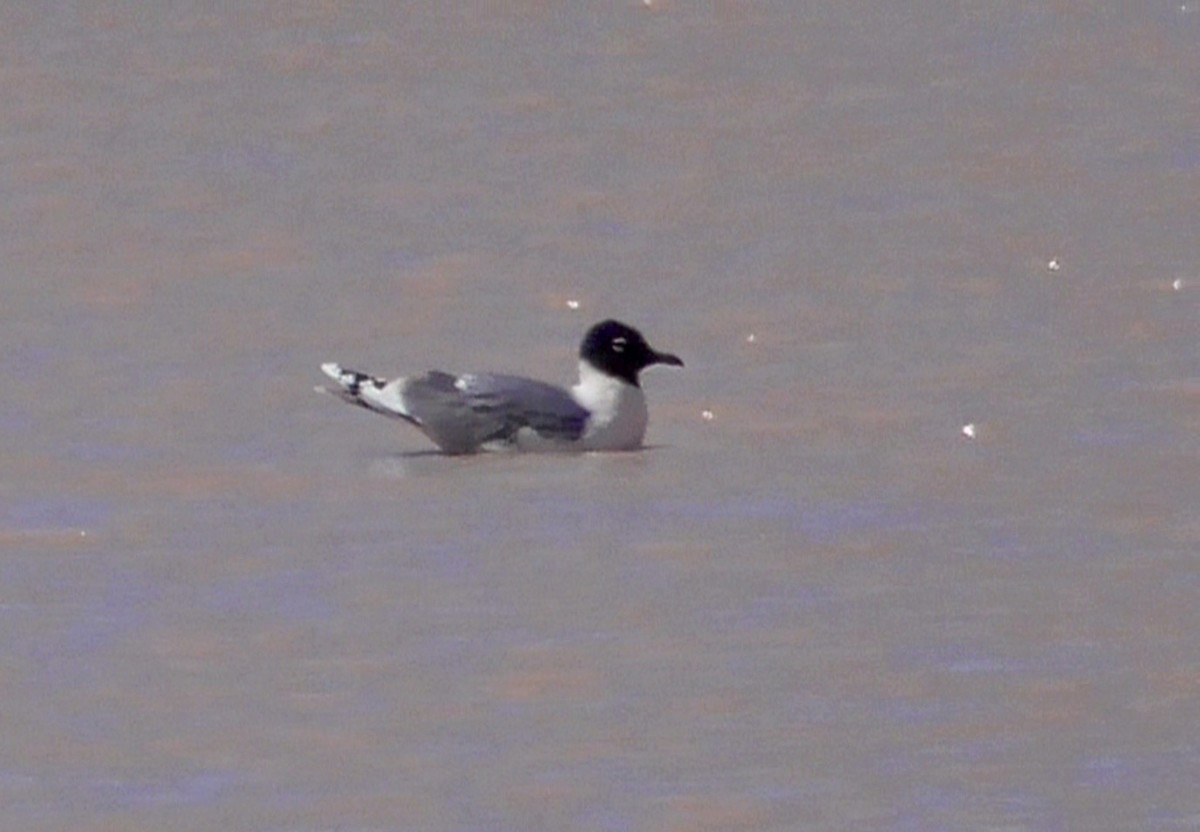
(227, 603)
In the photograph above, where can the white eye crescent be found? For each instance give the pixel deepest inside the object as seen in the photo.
(618, 344)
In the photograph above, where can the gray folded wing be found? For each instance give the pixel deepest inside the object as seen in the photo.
(461, 413)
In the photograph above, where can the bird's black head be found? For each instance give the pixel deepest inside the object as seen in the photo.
(620, 350)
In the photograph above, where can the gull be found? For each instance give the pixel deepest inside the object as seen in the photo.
(473, 412)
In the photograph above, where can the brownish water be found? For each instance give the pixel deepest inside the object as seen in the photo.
(227, 603)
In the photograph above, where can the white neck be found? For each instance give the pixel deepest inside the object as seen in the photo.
(618, 410)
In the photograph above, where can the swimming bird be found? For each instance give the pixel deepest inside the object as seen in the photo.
(472, 412)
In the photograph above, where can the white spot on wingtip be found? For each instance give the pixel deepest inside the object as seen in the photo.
(1054, 265)
(968, 430)
(707, 415)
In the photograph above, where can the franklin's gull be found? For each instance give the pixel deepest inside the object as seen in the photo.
(464, 414)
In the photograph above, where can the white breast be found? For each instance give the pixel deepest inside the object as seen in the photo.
(618, 411)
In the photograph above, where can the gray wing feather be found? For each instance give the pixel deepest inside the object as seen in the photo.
(461, 413)
(523, 402)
